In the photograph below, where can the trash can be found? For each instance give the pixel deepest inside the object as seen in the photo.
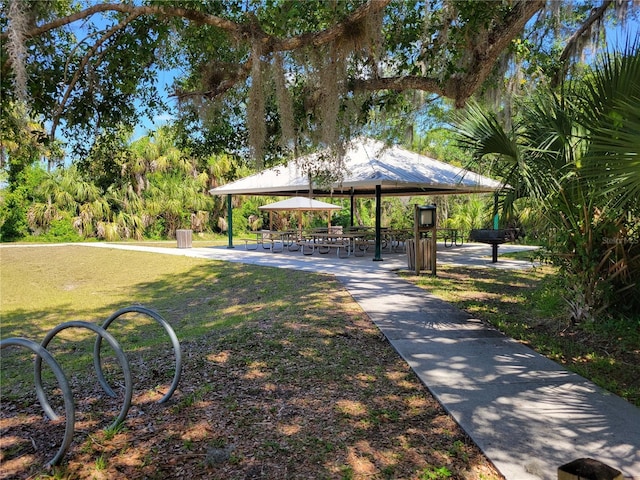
(588, 469)
(184, 238)
(425, 254)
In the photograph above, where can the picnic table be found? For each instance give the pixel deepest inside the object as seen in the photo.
(273, 240)
(324, 241)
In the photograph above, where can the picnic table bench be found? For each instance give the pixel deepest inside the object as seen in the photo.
(270, 240)
(324, 242)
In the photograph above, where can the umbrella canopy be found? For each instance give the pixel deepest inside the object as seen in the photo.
(300, 204)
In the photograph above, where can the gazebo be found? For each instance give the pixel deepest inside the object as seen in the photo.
(371, 168)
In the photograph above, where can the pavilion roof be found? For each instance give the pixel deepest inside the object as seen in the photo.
(367, 164)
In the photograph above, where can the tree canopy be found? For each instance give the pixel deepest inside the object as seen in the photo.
(278, 75)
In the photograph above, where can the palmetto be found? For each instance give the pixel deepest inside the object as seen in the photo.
(573, 151)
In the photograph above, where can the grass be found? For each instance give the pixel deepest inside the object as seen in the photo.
(284, 376)
(528, 306)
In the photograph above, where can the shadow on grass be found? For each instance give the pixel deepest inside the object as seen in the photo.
(284, 377)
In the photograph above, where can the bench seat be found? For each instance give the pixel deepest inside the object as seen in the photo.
(309, 247)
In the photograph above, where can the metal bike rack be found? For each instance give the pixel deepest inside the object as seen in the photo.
(174, 341)
(42, 353)
(122, 359)
(69, 406)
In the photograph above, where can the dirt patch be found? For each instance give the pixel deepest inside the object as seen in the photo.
(311, 395)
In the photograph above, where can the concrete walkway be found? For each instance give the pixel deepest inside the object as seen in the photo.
(526, 413)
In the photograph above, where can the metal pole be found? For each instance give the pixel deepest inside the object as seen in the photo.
(229, 222)
(417, 257)
(378, 253)
(352, 208)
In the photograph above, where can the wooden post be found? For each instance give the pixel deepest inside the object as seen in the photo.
(434, 245)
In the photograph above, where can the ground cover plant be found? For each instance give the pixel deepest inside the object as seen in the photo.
(284, 376)
(528, 306)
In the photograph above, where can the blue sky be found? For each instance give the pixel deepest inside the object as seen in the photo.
(165, 80)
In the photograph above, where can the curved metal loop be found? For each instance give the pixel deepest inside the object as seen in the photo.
(172, 335)
(122, 359)
(69, 406)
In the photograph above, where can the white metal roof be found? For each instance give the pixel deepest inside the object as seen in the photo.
(300, 203)
(368, 163)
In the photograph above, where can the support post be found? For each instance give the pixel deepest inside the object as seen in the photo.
(378, 253)
(434, 246)
(416, 241)
(352, 207)
(229, 222)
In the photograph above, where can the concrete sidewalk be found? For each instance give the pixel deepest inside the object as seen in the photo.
(526, 413)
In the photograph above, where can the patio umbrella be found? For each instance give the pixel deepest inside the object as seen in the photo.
(300, 204)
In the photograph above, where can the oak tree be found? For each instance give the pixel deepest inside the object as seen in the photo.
(277, 75)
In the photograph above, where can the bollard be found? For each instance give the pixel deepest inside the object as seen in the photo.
(588, 469)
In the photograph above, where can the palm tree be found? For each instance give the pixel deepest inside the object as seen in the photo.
(611, 110)
(64, 193)
(574, 152)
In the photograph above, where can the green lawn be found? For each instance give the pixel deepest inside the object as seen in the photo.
(284, 376)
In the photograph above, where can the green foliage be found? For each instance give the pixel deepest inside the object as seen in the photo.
(155, 231)
(471, 212)
(433, 473)
(13, 216)
(15, 202)
(573, 153)
(150, 188)
(60, 230)
(106, 159)
(23, 141)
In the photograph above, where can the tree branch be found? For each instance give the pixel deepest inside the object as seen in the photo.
(236, 30)
(241, 74)
(484, 56)
(570, 47)
(596, 15)
(241, 32)
(483, 59)
(323, 37)
(230, 27)
(83, 63)
(397, 84)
